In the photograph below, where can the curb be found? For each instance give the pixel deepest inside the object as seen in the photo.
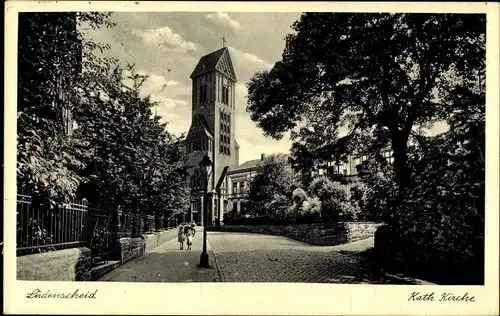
(219, 276)
(101, 270)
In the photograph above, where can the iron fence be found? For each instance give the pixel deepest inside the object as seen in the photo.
(42, 229)
(101, 234)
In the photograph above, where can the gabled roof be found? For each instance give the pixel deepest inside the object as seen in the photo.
(212, 62)
(249, 164)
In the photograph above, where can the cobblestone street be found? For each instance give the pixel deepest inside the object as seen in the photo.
(242, 257)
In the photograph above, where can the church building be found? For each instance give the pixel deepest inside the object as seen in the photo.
(212, 132)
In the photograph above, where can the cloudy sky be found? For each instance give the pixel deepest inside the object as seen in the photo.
(156, 42)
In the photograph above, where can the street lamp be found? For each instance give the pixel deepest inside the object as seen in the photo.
(206, 169)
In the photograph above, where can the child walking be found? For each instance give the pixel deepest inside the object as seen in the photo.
(181, 236)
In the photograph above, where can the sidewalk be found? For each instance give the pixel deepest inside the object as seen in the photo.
(166, 263)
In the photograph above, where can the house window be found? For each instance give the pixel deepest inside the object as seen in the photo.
(235, 187)
(357, 161)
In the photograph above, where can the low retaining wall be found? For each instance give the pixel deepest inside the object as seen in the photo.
(316, 234)
(75, 264)
(63, 265)
(131, 247)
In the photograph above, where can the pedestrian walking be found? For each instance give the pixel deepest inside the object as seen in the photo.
(189, 239)
(181, 236)
(193, 225)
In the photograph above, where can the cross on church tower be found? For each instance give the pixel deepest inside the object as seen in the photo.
(223, 41)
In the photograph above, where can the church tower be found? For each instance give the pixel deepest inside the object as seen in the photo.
(212, 130)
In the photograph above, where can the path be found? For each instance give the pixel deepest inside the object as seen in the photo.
(166, 263)
(245, 257)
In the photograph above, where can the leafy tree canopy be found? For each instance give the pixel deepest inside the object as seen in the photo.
(274, 177)
(381, 77)
(50, 76)
(133, 161)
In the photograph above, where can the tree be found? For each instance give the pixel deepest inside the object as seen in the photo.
(51, 46)
(275, 180)
(335, 199)
(384, 77)
(442, 215)
(133, 162)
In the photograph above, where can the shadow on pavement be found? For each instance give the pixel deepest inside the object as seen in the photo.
(172, 266)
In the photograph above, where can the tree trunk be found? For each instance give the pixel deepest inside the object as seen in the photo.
(400, 149)
(402, 175)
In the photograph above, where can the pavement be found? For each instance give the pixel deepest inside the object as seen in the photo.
(245, 257)
(166, 263)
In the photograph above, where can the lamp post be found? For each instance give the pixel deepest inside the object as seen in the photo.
(206, 169)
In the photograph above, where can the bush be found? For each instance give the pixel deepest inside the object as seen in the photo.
(379, 190)
(335, 198)
(437, 232)
(299, 196)
(325, 189)
(279, 205)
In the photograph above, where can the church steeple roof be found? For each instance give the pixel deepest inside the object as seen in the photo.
(212, 62)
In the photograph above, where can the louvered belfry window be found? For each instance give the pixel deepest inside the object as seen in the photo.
(225, 91)
(225, 133)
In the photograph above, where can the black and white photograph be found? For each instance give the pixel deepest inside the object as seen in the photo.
(252, 147)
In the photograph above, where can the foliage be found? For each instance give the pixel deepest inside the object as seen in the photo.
(119, 154)
(381, 76)
(299, 196)
(304, 209)
(442, 214)
(49, 76)
(326, 189)
(379, 189)
(335, 198)
(134, 163)
(271, 189)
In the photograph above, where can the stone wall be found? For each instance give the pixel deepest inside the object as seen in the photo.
(360, 230)
(75, 264)
(316, 234)
(63, 265)
(131, 248)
